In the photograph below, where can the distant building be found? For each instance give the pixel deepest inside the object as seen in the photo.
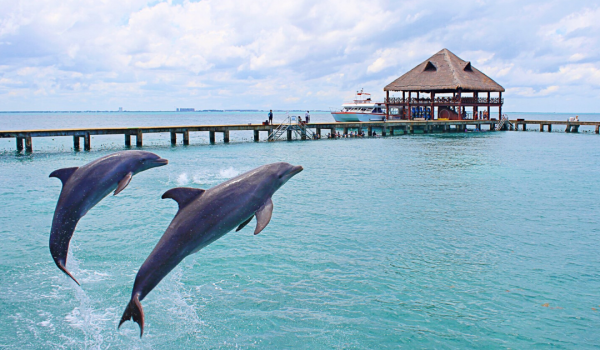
(445, 83)
(186, 109)
(120, 109)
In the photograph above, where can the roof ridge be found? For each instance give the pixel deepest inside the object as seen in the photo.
(454, 76)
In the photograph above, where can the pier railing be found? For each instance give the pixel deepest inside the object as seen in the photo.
(445, 101)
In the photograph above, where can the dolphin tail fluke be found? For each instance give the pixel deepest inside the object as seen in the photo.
(134, 311)
(64, 269)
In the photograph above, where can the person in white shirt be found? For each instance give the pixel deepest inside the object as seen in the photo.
(307, 117)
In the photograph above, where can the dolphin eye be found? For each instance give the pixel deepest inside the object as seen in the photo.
(280, 176)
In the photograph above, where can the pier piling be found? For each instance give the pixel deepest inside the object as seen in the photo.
(28, 145)
(139, 139)
(19, 144)
(256, 135)
(127, 140)
(289, 134)
(186, 138)
(87, 142)
(211, 137)
(226, 136)
(173, 138)
(76, 143)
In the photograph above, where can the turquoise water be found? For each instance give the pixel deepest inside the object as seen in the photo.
(474, 240)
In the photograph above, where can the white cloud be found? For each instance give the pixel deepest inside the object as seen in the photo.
(302, 54)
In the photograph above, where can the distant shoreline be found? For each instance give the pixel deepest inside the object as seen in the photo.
(197, 111)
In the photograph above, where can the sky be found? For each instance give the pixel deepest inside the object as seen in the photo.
(301, 54)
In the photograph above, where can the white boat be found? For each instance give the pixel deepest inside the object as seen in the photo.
(362, 109)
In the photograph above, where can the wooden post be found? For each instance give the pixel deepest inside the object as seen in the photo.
(412, 129)
(318, 132)
(28, 144)
(226, 136)
(138, 139)
(405, 109)
(186, 137)
(173, 138)
(489, 105)
(387, 105)
(384, 131)
(333, 132)
(391, 131)
(127, 140)
(405, 129)
(597, 129)
(211, 137)
(20, 143)
(289, 134)
(460, 114)
(432, 105)
(549, 127)
(345, 131)
(408, 106)
(87, 142)
(500, 107)
(524, 127)
(76, 142)
(369, 131)
(541, 127)
(256, 135)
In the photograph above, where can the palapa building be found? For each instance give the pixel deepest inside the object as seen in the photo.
(455, 87)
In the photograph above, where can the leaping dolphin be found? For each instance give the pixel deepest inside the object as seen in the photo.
(204, 217)
(84, 187)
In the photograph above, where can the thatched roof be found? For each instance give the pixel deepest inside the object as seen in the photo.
(444, 71)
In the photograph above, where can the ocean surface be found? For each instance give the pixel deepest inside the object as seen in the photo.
(437, 241)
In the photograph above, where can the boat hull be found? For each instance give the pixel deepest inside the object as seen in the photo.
(357, 117)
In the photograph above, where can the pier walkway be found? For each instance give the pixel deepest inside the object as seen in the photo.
(384, 128)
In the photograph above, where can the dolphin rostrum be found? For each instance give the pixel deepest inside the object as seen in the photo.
(84, 187)
(204, 217)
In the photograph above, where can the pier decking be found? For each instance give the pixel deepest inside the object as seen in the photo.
(391, 127)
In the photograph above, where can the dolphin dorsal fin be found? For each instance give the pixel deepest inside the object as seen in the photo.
(63, 174)
(183, 195)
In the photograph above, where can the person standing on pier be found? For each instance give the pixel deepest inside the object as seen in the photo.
(307, 117)
(271, 117)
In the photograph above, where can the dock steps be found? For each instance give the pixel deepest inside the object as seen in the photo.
(291, 127)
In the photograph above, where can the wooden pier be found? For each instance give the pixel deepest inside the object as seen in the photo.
(382, 128)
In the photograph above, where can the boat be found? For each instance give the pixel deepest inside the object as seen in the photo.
(362, 109)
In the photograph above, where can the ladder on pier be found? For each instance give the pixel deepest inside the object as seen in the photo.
(291, 125)
(503, 124)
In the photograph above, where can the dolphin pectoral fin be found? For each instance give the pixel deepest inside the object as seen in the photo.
(123, 183)
(263, 216)
(63, 174)
(243, 224)
(183, 195)
(64, 269)
(134, 311)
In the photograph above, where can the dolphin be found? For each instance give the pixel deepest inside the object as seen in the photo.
(202, 218)
(83, 187)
